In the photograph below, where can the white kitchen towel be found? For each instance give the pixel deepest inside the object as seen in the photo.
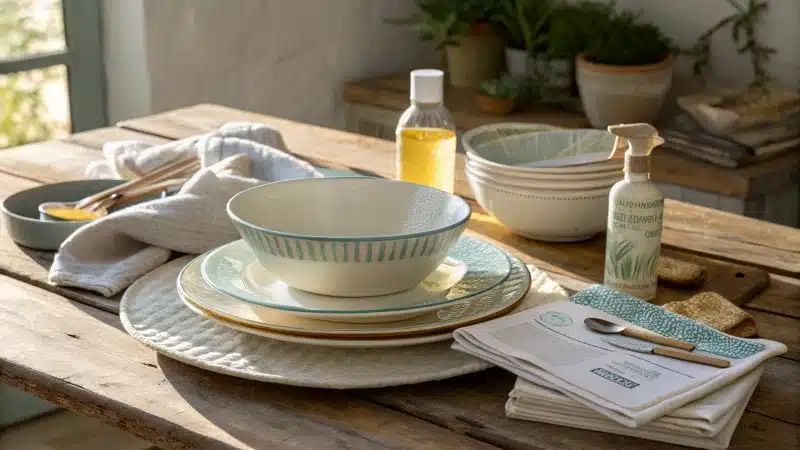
(131, 159)
(651, 431)
(109, 254)
(704, 417)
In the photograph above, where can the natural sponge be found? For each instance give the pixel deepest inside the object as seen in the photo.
(680, 274)
(717, 312)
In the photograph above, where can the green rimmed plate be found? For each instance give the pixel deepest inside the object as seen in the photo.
(472, 268)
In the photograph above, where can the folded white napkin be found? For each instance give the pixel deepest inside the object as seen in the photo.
(704, 423)
(483, 340)
(109, 254)
(265, 147)
(535, 403)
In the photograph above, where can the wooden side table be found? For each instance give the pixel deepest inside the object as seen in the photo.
(769, 190)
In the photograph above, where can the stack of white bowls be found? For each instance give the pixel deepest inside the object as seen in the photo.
(515, 173)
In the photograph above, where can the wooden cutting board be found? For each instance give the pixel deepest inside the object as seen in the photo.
(577, 269)
(736, 282)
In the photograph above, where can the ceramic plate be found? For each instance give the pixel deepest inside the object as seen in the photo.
(473, 267)
(298, 339)
(282, 325)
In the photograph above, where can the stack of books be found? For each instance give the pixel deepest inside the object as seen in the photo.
(736, 129)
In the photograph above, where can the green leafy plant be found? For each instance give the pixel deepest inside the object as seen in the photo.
(573, 27)
(506, 87)
(742, 22)
(624, 40)
(525, 22)
(441, 21)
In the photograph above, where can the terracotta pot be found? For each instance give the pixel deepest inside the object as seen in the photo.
(477, 57)
(622, 94)
(494, 106)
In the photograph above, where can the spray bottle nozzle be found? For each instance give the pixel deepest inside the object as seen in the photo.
(640, 137)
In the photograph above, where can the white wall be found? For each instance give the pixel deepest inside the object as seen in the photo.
(685, 20)
(290, 57)
(280, 57)
(124, 49)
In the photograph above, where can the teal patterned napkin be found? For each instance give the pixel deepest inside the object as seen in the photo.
(661, 321)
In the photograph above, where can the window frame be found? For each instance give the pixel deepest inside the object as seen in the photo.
(83, 59)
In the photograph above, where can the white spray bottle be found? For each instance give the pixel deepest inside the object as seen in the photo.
(635, 216)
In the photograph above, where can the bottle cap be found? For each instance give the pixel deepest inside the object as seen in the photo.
(427, 85)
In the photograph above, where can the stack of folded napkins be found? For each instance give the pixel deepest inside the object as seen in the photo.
(571, 376)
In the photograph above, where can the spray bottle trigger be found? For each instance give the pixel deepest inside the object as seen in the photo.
(620, 147)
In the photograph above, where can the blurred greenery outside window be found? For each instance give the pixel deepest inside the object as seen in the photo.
(51, 72)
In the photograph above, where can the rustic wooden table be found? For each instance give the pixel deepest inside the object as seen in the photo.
(761, 190)
(68, 347)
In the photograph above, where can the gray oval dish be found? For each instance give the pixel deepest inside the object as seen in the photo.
(20, 212)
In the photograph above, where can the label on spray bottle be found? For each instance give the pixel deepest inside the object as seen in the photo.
(633, 244)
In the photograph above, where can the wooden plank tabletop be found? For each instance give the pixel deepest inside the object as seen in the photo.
(390, 92)
(77, 356)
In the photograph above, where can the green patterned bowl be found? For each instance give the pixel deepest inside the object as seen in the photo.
(515, 148)
(349, 237)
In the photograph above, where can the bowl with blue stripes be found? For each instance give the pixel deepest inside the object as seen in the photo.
(349, 236)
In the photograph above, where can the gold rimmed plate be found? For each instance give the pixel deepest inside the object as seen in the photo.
(472, 268)
(282, 325)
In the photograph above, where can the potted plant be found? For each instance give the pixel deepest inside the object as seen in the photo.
(568, 34)
(523, 22)
(498, 96)
(473, 49)
(625, 71)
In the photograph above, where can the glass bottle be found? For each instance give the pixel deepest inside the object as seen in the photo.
(425, 136)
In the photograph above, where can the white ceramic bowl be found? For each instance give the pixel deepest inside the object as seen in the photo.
(500, 171)
(556, 184)
(545, 215)
(349, 237)
(513, 149)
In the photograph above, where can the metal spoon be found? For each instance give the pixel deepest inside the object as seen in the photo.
(607, 327)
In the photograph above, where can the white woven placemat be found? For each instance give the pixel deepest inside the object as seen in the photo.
(152, 312)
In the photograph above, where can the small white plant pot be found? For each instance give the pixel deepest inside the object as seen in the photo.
(555, 73)
(518, 63)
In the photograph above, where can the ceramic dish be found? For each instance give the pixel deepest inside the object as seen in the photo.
(20, 212)
(500, 172)
(544, 215)
(281, 325)
(546, 184)
(516, 152)
(472, 268)
(325, 342)
(351, 237)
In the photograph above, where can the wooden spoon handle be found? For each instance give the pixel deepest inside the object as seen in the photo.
(657, 339)
(168, 171)
(144, 191)
(693, 357)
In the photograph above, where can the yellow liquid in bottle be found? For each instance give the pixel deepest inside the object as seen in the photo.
(427, 156)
